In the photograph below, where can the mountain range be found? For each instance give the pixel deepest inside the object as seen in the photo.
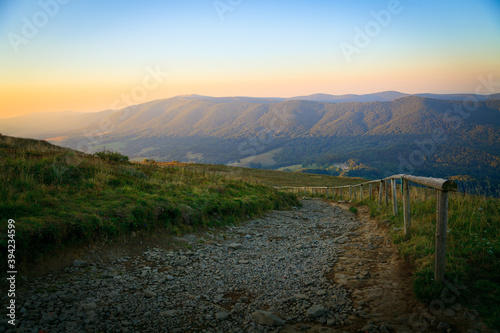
(425, 134)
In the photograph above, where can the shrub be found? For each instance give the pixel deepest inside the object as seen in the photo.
(108, 155)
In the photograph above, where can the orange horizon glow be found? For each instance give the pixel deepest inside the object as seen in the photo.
(90, 57)
(19, 100)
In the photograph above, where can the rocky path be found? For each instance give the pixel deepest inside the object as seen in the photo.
(315, 269)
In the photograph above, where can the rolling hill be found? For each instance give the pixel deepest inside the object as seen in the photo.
(410, 134)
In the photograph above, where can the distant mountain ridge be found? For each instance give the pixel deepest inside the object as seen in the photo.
(45, 125)
(390, 134)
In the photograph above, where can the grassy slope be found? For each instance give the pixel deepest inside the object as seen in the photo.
(273, 177)
(473, 247)
(59, 197)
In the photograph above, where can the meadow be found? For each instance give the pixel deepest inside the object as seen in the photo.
(61, 198)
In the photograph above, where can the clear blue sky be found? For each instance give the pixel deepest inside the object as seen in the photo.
(90, 52)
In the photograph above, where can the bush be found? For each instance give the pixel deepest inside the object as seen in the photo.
(108, 155)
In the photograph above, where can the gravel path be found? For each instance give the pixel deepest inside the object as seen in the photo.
(276, 273)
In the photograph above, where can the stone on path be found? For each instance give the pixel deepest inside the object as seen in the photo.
(234, 246)
(267, 318)
(222, 315)
(80, 263)
(316, 311)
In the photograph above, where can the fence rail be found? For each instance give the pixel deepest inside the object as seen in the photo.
(442, 187)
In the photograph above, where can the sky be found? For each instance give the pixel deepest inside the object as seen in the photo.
(60, 55)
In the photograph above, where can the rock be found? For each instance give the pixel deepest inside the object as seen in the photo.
(368, 327)
(169, 313)
(456, 307)
(243, 261)
(267, 318)
(149, 293)
(301, 297)
(80, 263)
(384, 328)
(443, 326)
(320, 292)
(89, 306)
(190, 238)
(235, 246)
(449, 312)
(316, 311)
(222, 315)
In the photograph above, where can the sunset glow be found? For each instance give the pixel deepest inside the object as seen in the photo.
(83, 56)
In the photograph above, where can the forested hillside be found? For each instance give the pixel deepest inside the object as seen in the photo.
(412, 134)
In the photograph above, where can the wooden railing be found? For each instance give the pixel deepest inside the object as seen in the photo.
(442, 187)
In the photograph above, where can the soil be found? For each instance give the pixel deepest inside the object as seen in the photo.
(379, 280)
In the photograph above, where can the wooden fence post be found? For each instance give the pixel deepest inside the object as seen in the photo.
(341, 196)
(380, 189)
(354, 190)
(333, 193)
(361, 191)
(370, 190)
(386, 188)
(350, 192)
(406, 208)
(441, 226)
(394, 198)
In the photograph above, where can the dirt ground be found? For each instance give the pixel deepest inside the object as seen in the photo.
(379, 281)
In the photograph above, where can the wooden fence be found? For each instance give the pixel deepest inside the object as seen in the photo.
(442, 187)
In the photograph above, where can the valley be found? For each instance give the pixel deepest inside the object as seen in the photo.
(387, 133)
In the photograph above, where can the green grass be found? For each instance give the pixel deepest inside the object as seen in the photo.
(274, 177)
(472, 247)
(60, 198)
